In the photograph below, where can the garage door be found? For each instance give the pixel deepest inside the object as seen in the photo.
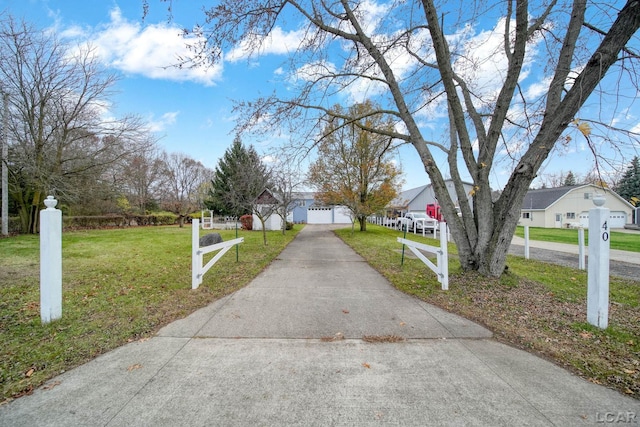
(319, 216)
(341, 215)
(617, 219)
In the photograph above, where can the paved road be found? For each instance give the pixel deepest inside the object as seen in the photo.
(622, 264)
(288, 349)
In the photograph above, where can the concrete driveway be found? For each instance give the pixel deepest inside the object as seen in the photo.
(288, 350)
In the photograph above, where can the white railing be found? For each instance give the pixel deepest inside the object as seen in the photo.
(441, 268)
(197, 269)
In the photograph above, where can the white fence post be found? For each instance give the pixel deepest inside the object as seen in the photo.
(598, 272)
(526, 242)
(443, 265)
(50, 261)
(196, 255)
(441, 268)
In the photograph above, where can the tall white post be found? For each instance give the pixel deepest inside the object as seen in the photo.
(4, 137)
(526, 242)
(50, 261)
(581, 263)
(598, 271)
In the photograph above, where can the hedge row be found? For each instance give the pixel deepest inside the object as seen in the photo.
(109, 221)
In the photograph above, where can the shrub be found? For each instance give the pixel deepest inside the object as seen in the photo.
(247, 222)
(156, 218)
(109, 221)
(92, 222)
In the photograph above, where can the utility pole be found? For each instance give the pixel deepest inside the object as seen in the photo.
(4, 160)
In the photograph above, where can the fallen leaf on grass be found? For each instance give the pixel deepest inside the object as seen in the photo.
(29, 372)
(134, 367)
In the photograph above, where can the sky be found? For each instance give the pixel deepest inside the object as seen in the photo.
(189, 110)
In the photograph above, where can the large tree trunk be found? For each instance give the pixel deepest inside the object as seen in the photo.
(29, 210)
(483, 236)
(363, 223)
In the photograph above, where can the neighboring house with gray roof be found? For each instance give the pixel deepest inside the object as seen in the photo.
(417, 199)
(568, 207)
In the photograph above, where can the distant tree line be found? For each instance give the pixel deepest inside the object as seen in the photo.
(62, 143)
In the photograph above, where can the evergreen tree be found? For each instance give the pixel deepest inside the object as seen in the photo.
(629, 186)
(238, 179)
(570, 179)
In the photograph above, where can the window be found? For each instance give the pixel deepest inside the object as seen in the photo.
(587, 196)
(571, 215)
(526, 215)
(302, 203)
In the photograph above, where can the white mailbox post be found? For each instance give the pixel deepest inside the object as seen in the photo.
(598, 270)
(50, 261)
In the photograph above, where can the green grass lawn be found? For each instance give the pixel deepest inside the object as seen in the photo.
(618, 240)
(536, 306)
(118, 286)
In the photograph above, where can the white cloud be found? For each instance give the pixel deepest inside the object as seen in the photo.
(167, 119)
(278, 42)
(151, 51)
(311, 72)
(483, 63)
(269, 159)
(369, 15)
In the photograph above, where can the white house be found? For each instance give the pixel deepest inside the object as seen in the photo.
(417, 199)
(309, 211)
(569, 206)
(266, 203)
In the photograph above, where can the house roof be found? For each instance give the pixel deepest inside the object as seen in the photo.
(544, 197)
(304, 195)
(268, 197)
(407, 196)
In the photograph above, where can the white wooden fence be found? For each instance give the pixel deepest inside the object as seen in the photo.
(441, 268)
(197, 269)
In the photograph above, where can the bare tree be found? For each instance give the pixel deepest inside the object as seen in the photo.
(400, 53)
(57, 128)
(265, 205)
(140, 176)
(184, 177)
(287, 178)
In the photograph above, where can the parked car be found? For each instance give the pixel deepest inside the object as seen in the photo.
(416, 221)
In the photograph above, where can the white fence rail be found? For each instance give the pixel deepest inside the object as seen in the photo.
(197, 253)
(441, 268)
